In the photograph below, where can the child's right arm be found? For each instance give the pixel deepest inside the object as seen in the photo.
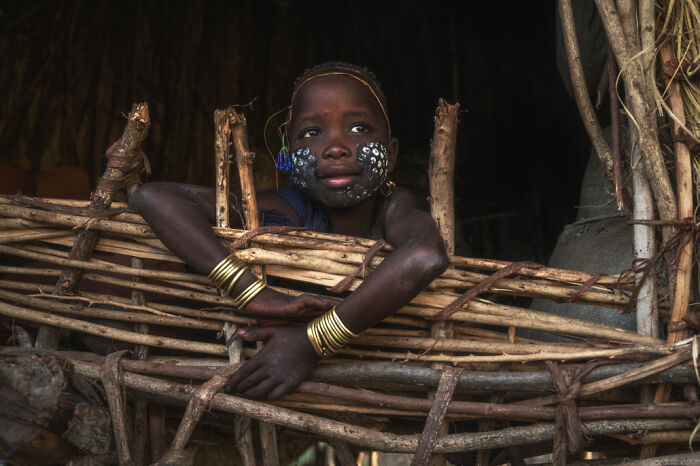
(181, 216)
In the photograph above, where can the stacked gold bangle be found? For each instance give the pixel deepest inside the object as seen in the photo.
(229, 271)
(248, 294)
(328, 334)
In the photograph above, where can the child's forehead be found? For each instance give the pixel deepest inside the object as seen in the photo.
(341, 87)
(333, 84)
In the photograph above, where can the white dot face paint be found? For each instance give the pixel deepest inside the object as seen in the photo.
(373, 161)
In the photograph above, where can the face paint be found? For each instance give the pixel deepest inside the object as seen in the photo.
(372, 160)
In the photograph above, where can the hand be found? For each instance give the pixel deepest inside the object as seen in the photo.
(270, 303)
(284, 362)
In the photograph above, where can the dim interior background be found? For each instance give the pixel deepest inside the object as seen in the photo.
(71, 69)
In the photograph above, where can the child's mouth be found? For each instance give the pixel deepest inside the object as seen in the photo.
(337, 181)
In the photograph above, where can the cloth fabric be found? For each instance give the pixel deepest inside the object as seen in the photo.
(310, 214)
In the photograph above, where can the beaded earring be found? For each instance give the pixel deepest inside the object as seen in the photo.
(284, 160)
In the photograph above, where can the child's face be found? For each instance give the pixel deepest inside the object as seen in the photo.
(340, 146)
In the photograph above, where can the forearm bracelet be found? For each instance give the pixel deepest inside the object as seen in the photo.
(229, 271)
(328, 334)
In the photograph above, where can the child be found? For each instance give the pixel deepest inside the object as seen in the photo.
(342, 151)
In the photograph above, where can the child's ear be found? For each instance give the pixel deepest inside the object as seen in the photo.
(393, 150)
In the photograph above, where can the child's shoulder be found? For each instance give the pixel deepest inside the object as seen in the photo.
(402, 198)
(400, 205)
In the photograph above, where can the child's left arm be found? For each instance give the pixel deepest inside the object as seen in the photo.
(418, 257)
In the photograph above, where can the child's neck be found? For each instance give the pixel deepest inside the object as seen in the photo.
(353, 221)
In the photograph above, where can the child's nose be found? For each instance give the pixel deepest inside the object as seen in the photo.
(337, 149)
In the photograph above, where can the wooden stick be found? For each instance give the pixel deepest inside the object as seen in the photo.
(434, 344)
(103, 266)
(684, 187)
(543, 356)
(198, 402)
(642, 112)
(580, 90)
(69, 220)
(621, 194)
(368, 438)
(111, 381)
(138, 298)
(675, 436)
(386, 375)
(244, 162)
(450, 279)
(495, 314)
(621, 379)
(441, 169)
(109, 332)
(511, 316)
(247, 255)
(434, 424)
(157, 430)
(440, 177)
(134, 133)
(308, 240)
(130, 248)
(98, 298)
(312, 240)
(222, 163)
(26, 235)
(79, 310)
(295, 258)
(482, 312)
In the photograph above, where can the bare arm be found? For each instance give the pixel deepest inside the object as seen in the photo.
(181, 216)
(418, 257)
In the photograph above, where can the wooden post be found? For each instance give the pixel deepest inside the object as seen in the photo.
(441, 170)
(138, 298)
(222, 163)
(440, 177)
(684, 188)
(244, 162)
(126, 151)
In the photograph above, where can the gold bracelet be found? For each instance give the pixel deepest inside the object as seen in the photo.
(225, 269)
(249, 293)
(314, 340)
(234, 280)
(328, 334)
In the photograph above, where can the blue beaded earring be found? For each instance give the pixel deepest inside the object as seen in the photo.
(284, 160)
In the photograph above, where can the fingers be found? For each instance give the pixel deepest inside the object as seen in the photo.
(258, 385)
(308, 303)
(262, 389)
(256, 333)
(279, 391)
(251, 381)
(244, 371)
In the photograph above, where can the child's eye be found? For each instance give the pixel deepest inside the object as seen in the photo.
(310, 133)
(359, 128)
